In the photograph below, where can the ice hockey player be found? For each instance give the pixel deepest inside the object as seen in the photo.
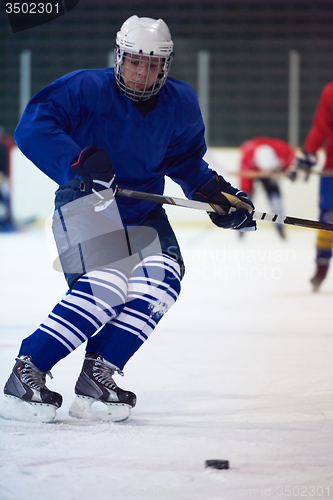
(268, 156)
(94, 131)
(321, 135)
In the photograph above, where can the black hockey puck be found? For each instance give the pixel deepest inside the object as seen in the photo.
(217, 464)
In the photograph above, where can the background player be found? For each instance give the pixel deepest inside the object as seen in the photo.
(321, 135)
(92, 131)
(267, 156)
(6, 145)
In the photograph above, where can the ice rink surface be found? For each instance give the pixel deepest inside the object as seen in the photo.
(241, 369)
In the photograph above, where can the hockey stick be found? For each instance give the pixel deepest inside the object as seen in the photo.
(210, 207)
(254, 174)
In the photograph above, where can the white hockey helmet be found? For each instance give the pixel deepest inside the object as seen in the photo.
(150, 39)
(265, 158)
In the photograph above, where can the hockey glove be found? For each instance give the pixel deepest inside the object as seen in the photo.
(237, 206)
(303, 162)
(94, 167)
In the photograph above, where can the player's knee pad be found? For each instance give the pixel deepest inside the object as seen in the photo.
(156, 281)
(101, 293)
(152, 289)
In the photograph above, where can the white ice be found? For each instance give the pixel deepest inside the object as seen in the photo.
(241, 369)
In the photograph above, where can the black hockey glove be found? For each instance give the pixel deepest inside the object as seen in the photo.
(235, 202)
(94, 167)
(303, 162)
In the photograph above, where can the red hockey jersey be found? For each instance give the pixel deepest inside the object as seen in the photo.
(321, 132)
(283, 151)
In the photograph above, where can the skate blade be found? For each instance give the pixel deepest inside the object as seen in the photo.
(12, 408)
(82, 408)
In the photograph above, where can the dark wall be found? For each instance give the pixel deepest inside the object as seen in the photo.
(249, 42)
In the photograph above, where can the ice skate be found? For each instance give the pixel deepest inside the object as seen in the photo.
(96, 384)
(26, 396)
(320, 275)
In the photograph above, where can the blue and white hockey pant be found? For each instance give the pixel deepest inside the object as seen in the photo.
(116, 314)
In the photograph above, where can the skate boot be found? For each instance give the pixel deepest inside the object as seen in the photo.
(320, 274)
(96, 383)
(27, 397)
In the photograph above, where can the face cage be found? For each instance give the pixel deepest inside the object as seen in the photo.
(134, 94)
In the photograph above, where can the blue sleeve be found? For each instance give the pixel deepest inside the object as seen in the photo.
(185, 164)
(43, 133)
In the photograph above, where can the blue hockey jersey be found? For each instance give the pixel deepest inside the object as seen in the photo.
(86, 107)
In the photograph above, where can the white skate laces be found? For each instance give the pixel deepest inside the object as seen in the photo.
(103, 371)
(26, 396)
(96, 387)
(31, 375)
